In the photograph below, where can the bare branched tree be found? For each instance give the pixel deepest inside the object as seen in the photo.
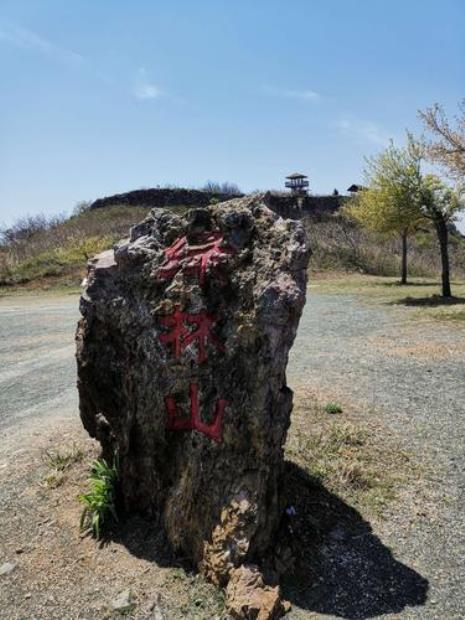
(447, 146)
(230, 189)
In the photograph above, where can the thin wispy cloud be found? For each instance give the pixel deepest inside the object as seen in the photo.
(303, 95)
(364, 131)
(144, 88)
(23, 38)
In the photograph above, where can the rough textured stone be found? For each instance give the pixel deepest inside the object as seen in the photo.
(7, 568)
(123, 601)
(248, 598)
(182, 351)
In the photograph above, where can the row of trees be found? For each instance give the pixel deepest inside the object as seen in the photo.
(399, 198)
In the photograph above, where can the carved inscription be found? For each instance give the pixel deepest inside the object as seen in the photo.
(183, 329)
(208, 255)
(177, 420)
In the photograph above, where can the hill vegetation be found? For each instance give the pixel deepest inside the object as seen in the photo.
(340, 245)
(55, 250)
(40, 252)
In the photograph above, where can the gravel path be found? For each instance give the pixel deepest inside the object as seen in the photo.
(409, 374)
(37, 366)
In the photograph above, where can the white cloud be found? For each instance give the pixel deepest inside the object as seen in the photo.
(144, 88)
(27, 39)
(365, 131)
(303, 95)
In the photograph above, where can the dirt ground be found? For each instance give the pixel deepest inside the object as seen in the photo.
(379, 528)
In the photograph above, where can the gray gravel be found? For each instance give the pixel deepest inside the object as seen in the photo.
(37, 366)
(367, 356)
(411, 375)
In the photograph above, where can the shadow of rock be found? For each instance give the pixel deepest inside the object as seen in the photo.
(434, 300)
(145, 539)
(399, 284)
(341, 567)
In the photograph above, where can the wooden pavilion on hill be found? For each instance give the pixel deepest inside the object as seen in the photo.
(297, 183)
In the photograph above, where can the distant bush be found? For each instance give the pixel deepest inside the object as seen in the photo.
(227, 188)
(26, 227)
(82, 207)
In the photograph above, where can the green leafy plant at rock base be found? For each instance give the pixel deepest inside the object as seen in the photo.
(99, 502)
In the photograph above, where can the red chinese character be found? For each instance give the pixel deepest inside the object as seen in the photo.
(195, 260)
(178, 331)
(176, 421)
(173, 256)
(181, 337)
(202, 334)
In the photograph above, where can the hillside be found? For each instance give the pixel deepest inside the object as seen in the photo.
(38, 252)
(41, 253)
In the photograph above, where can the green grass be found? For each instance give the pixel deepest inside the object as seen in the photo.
(333, 408)
(99, 502)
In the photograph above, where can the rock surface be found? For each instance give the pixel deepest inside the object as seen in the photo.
(7, 568)
(123, 601)
(181, 352)
(247, 597)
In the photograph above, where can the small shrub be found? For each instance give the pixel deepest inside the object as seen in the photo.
(99, 502)
(59, 461)
(82, 207)
(355, 474)
(231, 189)
(62, 460)
(333, 408)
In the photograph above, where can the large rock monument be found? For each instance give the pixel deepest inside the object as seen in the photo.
(182, 352)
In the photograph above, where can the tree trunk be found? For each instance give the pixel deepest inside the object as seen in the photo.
(182, 351)
(403, 279)
(443, 238)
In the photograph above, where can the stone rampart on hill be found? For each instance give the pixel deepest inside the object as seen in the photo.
(162, 197)
(283, 203)
(296, 207)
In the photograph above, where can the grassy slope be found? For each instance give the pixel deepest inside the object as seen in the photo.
(57, 257)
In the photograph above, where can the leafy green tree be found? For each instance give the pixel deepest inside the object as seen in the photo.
(390, 204)
(440, 205)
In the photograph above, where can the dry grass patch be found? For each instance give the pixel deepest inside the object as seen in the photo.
(357, 461)
(58, 462)
(419, 300)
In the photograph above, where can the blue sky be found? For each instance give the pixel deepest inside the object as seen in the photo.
(99, 97)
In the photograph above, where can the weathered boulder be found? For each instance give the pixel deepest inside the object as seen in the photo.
(181, 352)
